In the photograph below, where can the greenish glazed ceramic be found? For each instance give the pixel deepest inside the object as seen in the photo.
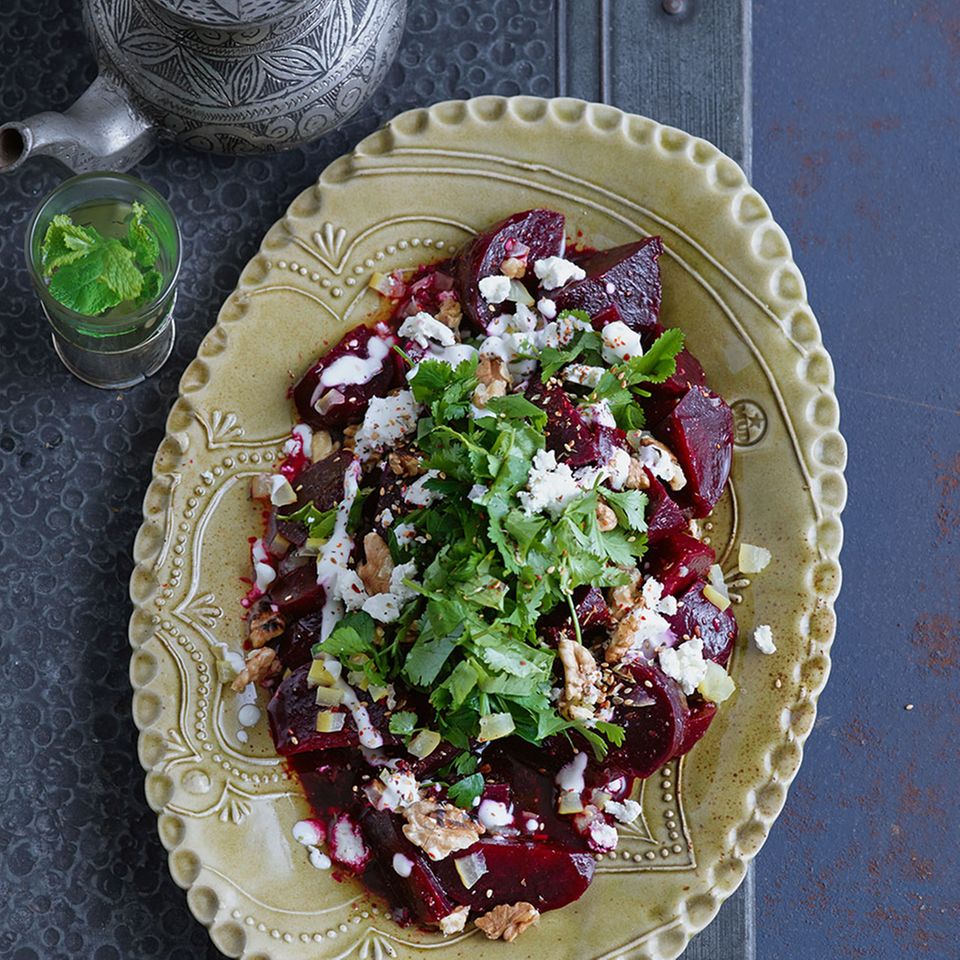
(411, 192)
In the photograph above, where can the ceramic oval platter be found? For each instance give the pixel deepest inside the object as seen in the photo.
(413, 192)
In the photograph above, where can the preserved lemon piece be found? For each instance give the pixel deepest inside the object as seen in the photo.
(495, 725)
(716, 598)
(717, 685)
(330, 722)
(424, 743)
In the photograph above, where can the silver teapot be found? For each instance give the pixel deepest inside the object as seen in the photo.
(228, 76)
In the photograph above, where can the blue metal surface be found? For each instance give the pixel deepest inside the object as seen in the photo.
(856, 135)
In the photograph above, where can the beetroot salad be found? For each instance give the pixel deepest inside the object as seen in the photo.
(481, 605)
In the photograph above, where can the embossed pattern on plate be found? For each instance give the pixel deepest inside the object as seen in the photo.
(411, 192)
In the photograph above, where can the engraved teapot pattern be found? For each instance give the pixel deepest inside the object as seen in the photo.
(227, 76)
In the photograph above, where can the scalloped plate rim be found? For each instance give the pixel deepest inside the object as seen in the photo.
(213, 343)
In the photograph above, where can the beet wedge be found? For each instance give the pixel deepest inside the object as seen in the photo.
(539, 230)
(699, 430)
(622, 283)
(335, 391)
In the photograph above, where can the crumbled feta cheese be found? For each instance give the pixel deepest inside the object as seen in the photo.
(550, 485)
(423, 328)
(454, 922)
(525, 319)
(554, 272)
(560, 332)
(547, 308)
(763, 638)
(658, 460)
(386, 517)
(404, 532)
(598, 413)
(685, 664)
(625, 812)
(402, 865)
(385, 607)
(646, 631)
(653, 598)
(477, 492)
(350, 589)
(620, 342)
(418, 494)
(495, 289)
(583, 374)
(387, 421)
(351, 369)
(618, 467)
(400, 790)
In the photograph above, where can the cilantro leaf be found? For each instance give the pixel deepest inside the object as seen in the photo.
(464, 792)
(514, 406)
(612, 731)
(403, 723)
(319, 523)
(629, 506)
(553, 359)
(426, 659)
(353, 635)
(141, 240)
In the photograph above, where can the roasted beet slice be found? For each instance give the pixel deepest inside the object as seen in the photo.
(297, 593)
(329, 777)
(663, 515)
(592, 612)
(569, 436)
(546, 874)
(699, 430)
(676, 560)
(335, 391)
(293, 718)
(654, 731)
(625, 277)
(296, 644)
(540, 230)
(421, 892)
(697, 617)
(665, 396)
(320, 484)
(699, 717)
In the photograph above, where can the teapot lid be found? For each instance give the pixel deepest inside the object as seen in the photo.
(229, 13)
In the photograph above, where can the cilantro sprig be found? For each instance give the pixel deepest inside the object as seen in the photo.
(90, 273)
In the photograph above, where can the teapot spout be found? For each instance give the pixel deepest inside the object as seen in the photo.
(103, 130)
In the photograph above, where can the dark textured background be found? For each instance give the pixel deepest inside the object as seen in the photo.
(856, 123)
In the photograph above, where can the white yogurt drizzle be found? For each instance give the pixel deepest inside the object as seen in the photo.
(336, 552)
(351, 369)
(570, 776)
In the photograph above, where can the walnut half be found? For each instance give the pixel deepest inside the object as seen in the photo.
(508, 921)
(260, 665)
(440, 829)
(403, 464)
(493, 377)
(376, 569)
(265, 625)
(580, 680)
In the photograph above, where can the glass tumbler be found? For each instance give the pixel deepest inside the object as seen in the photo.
(128, 342)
